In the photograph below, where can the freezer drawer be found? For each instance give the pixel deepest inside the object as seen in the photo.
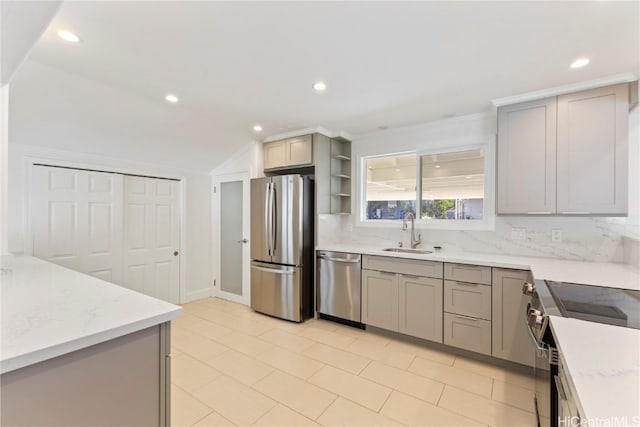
(339, 290)
(276, 290)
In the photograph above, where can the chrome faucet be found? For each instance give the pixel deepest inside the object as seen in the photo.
(414, 241)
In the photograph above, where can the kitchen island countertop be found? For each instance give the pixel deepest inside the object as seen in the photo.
(603, 363)
(49, 310)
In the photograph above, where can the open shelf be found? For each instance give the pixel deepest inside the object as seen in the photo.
(341, 157)
(339, 175)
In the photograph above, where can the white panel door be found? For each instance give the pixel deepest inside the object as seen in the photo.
(152, 237)
(76, 218)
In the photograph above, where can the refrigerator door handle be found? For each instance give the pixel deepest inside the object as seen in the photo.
(274, 222)
(272, 270)
(267, 219)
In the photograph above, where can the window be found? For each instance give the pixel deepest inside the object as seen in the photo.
(391, 186)
(451, 186)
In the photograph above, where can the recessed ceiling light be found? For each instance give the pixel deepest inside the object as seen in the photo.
(171, 98)
(437, 166)
(319, 86)
(68, 36)
(468, 177)
(397, 170)
(257, 128)
(580, 62)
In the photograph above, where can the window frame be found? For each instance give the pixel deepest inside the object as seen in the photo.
(488, 208)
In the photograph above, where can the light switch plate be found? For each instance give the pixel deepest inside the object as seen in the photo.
(518, 233)
(556, 235)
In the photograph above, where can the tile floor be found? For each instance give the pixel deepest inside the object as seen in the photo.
(232, 366)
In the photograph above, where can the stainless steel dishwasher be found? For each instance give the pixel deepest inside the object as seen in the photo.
(339, 290)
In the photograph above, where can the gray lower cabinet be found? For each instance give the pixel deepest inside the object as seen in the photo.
(403, 302)
(510, 337)
(468, 333)
(121, 382)
(380, 299)
(420, 307)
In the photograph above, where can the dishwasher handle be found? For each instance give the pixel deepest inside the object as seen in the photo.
(345, 260)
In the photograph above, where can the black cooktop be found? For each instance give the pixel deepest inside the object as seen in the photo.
(612, 306)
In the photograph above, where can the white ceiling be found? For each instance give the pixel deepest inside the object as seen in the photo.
(235, 64)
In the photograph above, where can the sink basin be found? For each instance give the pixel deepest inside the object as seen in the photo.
(407, 250)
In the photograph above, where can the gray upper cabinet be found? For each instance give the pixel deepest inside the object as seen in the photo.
(565, 155)
(510, 338)
(592, 151)
(527, 157)
(287, 153)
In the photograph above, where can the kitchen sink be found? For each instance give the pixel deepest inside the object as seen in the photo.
(407, 250)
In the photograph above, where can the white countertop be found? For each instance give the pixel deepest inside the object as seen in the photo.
(48, 310)
(613, 275)
(603, 363)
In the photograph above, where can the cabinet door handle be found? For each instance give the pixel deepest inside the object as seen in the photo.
(539, 213)
(466, 317)
(467, 284)
(560, 387)
(411, 276)
(575, 213)
(386, 273)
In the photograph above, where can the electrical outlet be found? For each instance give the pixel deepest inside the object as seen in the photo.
(556, 236)
(518, 233)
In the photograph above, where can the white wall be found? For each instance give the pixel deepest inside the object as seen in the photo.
(4, 163)
(596, 239)
(196, 208)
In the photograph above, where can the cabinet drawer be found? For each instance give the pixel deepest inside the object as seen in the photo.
(468, 273)
(468, 299)
(403, 266)
(467, 333)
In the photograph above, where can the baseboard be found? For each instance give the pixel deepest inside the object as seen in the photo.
(196, 295)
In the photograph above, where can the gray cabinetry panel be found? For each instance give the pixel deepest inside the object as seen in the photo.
(403, 266)
(510, 337)
(526, 170)
(420, 307)
(380, 299)
(467, 333)
(592, 151)
(467, 273)
(469, 299)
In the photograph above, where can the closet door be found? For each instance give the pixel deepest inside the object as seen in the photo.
(151, 237)
(76, 219)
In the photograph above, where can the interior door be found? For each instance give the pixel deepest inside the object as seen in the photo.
(232, 208)
(152, 237)
(76, 220)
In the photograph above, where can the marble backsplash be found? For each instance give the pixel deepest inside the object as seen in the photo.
(588, 239)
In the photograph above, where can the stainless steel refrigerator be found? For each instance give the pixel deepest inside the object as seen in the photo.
(282, 246)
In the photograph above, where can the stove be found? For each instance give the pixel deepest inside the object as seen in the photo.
(620, 307)
(611, 306)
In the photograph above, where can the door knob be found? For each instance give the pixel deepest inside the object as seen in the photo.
(243, 241)
(175, 253)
